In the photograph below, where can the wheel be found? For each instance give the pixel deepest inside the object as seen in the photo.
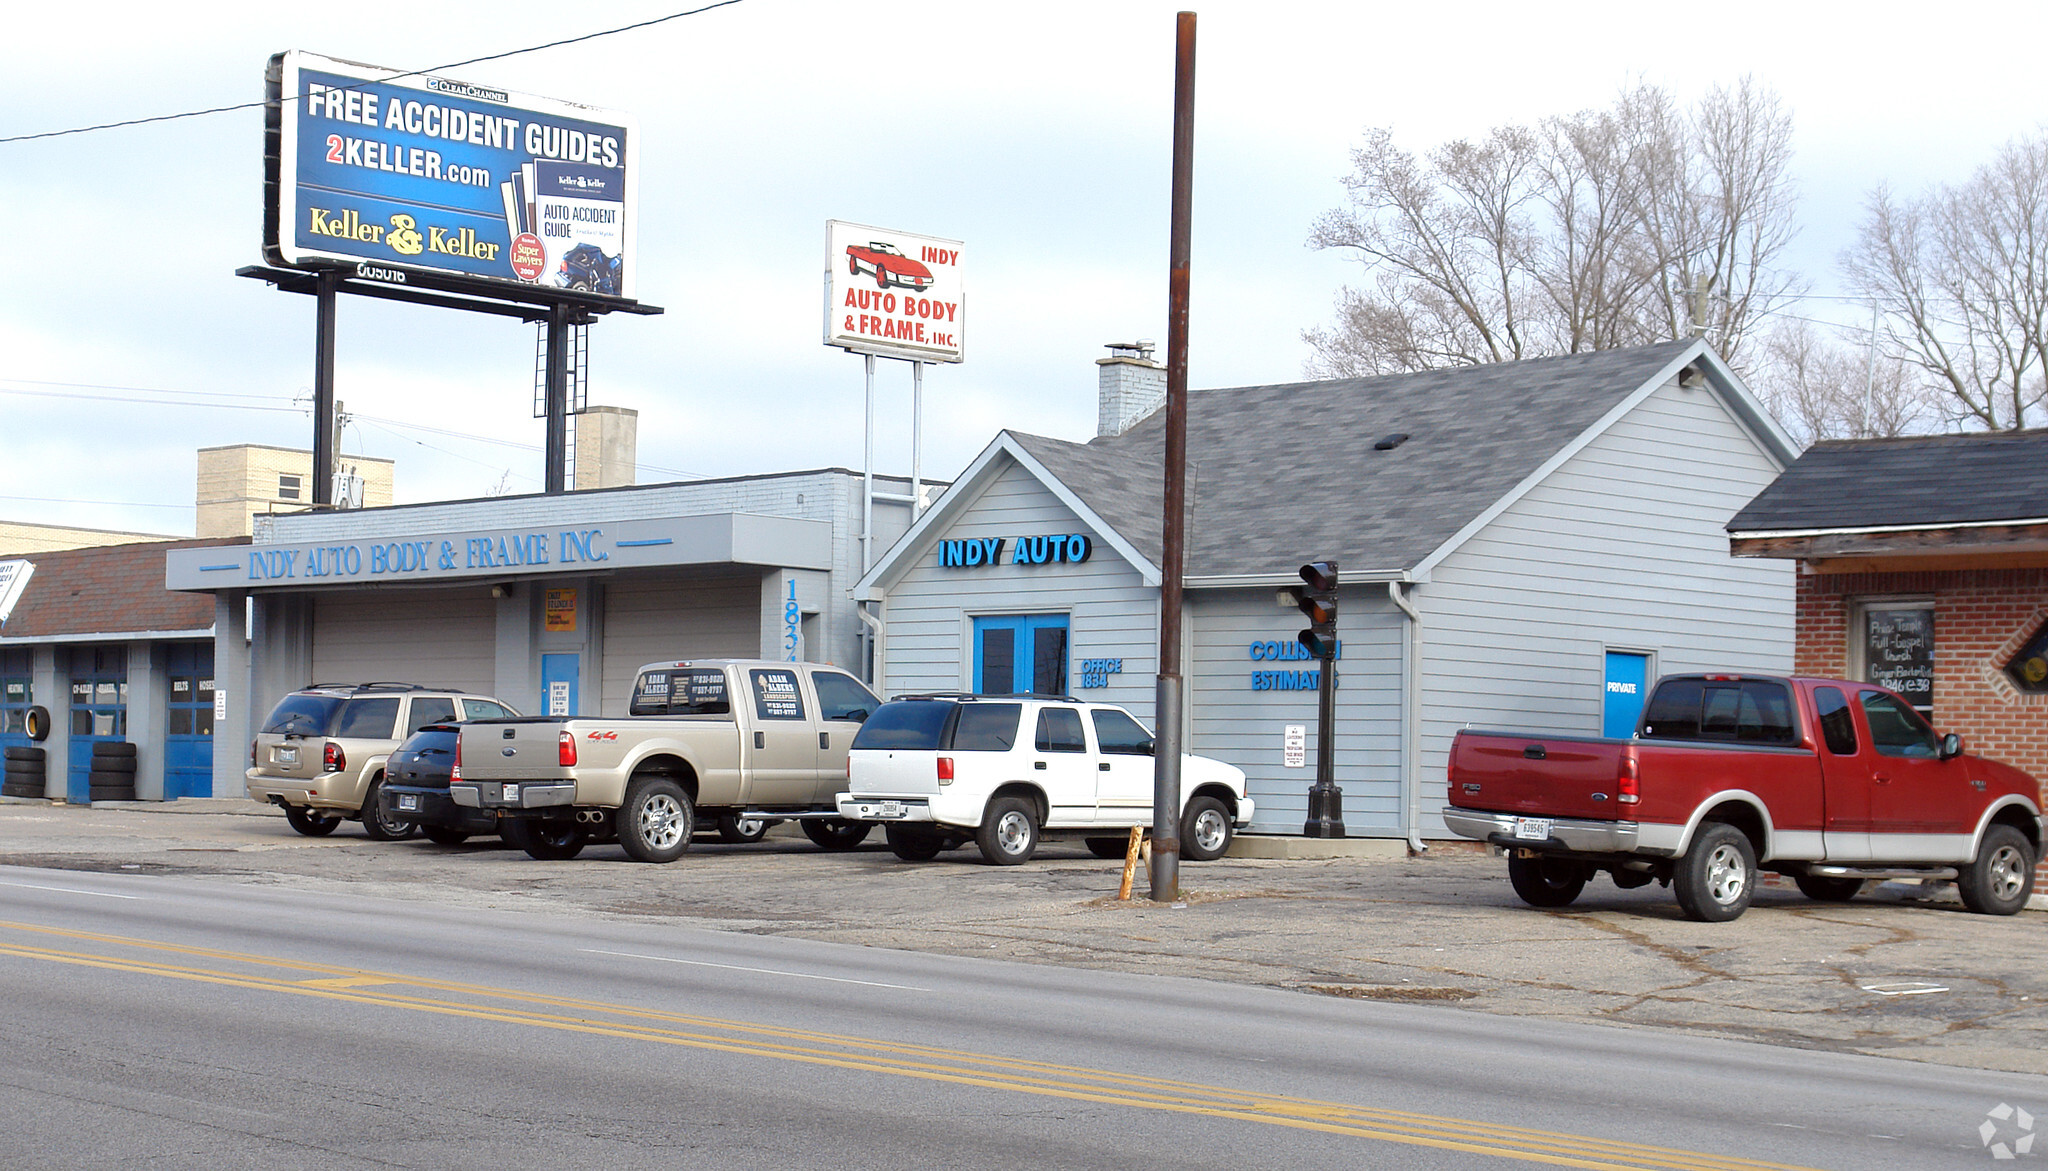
(547, 841)
(881, 277)
(37, 724)
(1009, 831)
(654, 823)
(914, 843)
(853, 265)
(741, 830)
(106, 748)
(1717, 876)
(1546, 882)
(1823, 889)
(314, 823)
(2002, 876)
(1109, 847)
(1205, 830)
(441, 835)
(833, 833)
(380, 823)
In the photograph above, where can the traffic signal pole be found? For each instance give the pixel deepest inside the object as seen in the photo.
(1317, 598)
(1165, 870)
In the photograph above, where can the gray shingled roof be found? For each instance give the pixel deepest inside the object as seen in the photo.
(1920, 480)
(1287, 473)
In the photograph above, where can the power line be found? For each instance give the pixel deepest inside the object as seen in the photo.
(413, 73)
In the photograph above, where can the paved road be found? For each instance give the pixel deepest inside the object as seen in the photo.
(186, 1022)
(1854, 978)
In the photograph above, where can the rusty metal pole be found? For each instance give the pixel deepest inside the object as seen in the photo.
(1173, 544)
(324, 447)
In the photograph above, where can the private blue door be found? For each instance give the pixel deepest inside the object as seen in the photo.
(1628, 678)
(99, 711)
(188, 746)
(558, 685)
(1016, 654)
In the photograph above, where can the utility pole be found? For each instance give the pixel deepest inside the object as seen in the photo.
(1699, 304)
(1167, 697)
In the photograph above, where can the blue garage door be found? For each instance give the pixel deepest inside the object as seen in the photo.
(99, 711)
(188, 748)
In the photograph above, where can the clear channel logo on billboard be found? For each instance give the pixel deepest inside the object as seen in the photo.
(895, 294)
(368, 164)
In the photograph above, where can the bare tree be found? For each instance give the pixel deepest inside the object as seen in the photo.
(1589, 231)
(1961, 279)
(1823, 387)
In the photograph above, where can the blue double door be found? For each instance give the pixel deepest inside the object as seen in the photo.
(1017, 654)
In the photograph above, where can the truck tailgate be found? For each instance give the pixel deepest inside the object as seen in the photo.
(1545, 776)
(525, 749)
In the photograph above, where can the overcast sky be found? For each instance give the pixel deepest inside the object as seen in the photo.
(1039, 135)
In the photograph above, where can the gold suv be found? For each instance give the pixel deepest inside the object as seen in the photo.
(321, 752)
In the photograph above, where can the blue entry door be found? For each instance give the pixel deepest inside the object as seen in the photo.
(558, 691)
(188, 744)
(1016, 654)
(1628, 681)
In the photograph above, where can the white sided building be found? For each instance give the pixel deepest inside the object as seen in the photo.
(1521, 545)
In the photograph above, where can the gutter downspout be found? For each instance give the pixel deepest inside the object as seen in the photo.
(875, 637)
(1411, 713)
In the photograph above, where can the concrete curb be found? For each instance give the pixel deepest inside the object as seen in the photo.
(1274, 846)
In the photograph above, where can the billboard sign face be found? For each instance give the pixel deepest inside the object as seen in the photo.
(894, 294)
(373, 166)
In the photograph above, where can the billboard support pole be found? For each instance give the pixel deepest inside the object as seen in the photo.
(867, 478)
(1167, 700)
(558, 399)
(916, 440)
(323, 388)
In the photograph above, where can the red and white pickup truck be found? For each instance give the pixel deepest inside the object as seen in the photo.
(1829, 781)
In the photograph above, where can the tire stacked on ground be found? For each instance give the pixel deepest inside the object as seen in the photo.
(27, 772)
(113, 771)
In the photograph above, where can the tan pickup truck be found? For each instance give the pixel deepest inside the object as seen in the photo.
(751, 740)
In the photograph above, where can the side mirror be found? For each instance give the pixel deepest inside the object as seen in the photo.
(1148, 747)
(1951, 746)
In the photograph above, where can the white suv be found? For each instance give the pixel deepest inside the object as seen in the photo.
(937, 770)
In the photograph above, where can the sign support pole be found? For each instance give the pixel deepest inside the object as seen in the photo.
(1173, 538)
(867, 478)
(916, 440)
(323, 388)
(558, 399)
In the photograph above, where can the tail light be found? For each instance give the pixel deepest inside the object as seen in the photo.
(332, 758)
(455, 770)
(252, 754)
(1625, 783)
(945, 770)
(565, 751)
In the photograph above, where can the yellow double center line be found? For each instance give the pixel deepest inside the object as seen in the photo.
(569, 1014)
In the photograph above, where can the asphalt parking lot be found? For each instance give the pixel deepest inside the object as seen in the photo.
(1902, 971)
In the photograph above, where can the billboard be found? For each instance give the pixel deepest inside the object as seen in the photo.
(371, 165)
(895, 294)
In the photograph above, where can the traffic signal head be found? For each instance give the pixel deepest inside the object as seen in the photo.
(1317, 598)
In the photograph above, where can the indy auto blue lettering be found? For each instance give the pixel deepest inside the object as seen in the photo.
(1072, 548)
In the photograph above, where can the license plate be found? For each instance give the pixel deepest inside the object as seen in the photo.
(889, 809)
(1533, 829)
(408, 800)
(285, 755)
(511, 794)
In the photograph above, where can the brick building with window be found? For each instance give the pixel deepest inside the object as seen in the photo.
(1923, 565)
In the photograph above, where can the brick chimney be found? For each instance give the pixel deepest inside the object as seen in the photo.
(1133, 386)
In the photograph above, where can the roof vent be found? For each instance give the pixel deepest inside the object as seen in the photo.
(1692, 378)
(1390, 442)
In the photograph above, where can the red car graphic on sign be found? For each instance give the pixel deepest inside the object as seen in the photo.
(888, 264)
